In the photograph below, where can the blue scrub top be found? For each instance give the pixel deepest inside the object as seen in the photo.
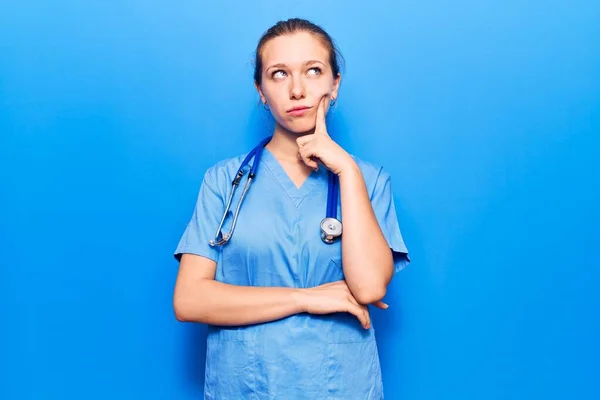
(277, 242)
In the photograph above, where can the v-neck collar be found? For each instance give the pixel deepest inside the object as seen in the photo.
(296, 194)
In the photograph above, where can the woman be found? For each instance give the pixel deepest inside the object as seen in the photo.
(287, 312)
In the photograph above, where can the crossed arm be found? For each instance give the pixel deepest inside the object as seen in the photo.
(367, 264)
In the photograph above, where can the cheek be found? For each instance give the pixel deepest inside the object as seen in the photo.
(272, 91)
(317, 89)
(278, 101)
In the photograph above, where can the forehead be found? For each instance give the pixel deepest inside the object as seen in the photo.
(294, 49)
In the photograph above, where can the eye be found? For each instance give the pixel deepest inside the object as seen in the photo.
(314, 71)
(278, 74)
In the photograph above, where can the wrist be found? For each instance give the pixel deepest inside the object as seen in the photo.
(350, 167)
(300, 299)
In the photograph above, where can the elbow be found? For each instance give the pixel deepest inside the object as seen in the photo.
(190, 303)
(370, 294)
(373, 287)
(185, 311)
(370, 290)
(181, 312)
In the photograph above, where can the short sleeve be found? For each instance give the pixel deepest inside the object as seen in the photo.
(382, 201)
(204, 222)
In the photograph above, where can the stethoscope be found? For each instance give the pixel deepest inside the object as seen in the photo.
(331, 227)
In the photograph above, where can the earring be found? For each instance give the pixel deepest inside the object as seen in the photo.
(332, 102)
(266, 107)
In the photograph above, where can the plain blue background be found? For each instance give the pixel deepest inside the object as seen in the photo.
(487, 115)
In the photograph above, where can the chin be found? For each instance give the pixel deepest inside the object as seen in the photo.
(299, 128)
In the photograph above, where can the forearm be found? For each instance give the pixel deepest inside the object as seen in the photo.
(367, 259)
(216, 303)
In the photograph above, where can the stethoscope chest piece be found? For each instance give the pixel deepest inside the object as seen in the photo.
(331, 230)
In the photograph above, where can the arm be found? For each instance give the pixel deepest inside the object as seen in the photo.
(367, 258)
(199, 298)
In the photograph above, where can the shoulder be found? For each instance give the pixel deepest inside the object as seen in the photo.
(222, 172)
(218, 177)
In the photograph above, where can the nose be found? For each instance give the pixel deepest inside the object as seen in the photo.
(297, 90)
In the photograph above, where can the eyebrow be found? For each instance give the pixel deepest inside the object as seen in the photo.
(282, 65)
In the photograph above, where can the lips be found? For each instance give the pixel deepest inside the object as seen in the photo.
(299, 108)
(298, 111)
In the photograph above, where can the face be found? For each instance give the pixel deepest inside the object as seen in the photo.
(296, 74)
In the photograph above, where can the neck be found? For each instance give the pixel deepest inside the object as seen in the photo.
(283, 144)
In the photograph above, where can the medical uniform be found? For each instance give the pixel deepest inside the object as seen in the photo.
(277, 242)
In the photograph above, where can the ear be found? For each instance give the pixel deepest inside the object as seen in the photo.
(263, 99)
(336, 86)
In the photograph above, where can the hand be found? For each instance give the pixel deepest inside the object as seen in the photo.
(319, 145)
(336, 297)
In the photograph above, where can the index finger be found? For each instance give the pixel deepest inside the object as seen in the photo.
(359, 313)
(320, 122)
